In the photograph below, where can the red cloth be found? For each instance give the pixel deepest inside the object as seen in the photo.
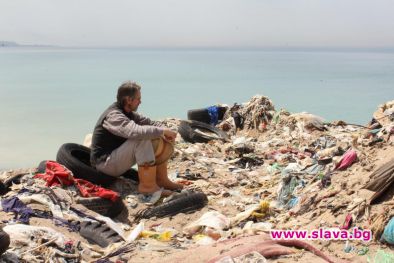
(89, 189)
(348, 222)
(347, 159)
(56, 174)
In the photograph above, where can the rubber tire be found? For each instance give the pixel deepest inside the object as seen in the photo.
(182, 204)
(98, 233)
(42, 167)
(76, 158)
(103, 206)
(3, 188)
(202, 115)
(186, 130)
(6, 184)
(4, 241)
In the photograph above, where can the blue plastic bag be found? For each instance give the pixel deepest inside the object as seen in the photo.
(213, 114)
(388, 234)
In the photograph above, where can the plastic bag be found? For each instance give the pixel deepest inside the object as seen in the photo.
(164, 236)
(347, 160)
(388, 234)
(212, 219)
(381, 257)
(203, 240)
(31, 235)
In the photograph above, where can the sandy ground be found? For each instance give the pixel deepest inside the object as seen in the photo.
(229, 191)
(355, 177)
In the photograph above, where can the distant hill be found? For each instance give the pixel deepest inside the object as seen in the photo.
(14, 44)
(8, 44)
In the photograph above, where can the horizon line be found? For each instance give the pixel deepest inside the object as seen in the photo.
(300, 48)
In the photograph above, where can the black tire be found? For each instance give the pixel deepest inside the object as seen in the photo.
(4, 241)
(202, 115)
(98, 233)
(187, 129)
(182, 204)
(6, 184)
(131, 174)
(42, 167)
(3, 188)
(77, 159)
(103, 206)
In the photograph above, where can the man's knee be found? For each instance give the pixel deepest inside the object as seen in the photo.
(144, 145)
(144, 153)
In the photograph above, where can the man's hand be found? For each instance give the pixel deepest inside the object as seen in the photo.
(170, 135)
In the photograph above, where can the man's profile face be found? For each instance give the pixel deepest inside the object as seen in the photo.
(135, 102)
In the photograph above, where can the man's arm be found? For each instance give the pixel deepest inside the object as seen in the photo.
(117, 123)
(142, 120)
(169, 135)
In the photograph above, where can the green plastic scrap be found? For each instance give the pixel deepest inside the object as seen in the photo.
(275, 118)
(285, 193)
(363, 251)
(381, 257)
(276, 166)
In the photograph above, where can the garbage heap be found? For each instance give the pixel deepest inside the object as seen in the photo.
(277, 171)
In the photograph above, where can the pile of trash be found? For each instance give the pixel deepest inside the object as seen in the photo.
(255, 114)
(276, 171)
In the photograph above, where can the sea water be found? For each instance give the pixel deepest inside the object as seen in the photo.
(50, 96)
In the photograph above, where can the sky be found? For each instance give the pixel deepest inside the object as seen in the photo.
(199, 23)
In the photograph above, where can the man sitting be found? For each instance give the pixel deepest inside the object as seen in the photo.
(122, 138)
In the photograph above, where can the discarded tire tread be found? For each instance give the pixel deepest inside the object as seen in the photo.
(186, 130)
(103, 206)
(182, 204)
(99, 234)
(4, 241)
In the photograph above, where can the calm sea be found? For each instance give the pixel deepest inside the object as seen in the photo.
(49, 96)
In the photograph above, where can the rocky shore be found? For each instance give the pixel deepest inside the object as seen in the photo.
(276, 171)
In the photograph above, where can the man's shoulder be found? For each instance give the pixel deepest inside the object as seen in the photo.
(110, 110)
(114, 111)
(113, 108)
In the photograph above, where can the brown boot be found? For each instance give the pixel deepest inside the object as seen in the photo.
(147, 177)
(163, 180)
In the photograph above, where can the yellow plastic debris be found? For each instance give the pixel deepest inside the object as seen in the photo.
(264, 206)
(262, 211)
(199, 237)
(165, 236)
(258, 215)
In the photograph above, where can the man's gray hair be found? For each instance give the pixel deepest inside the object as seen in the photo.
(127, 89)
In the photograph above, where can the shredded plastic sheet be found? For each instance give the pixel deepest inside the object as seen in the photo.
(211, 219)
(286, 189)
(381, 257)
(30, 234)
(388, 234)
